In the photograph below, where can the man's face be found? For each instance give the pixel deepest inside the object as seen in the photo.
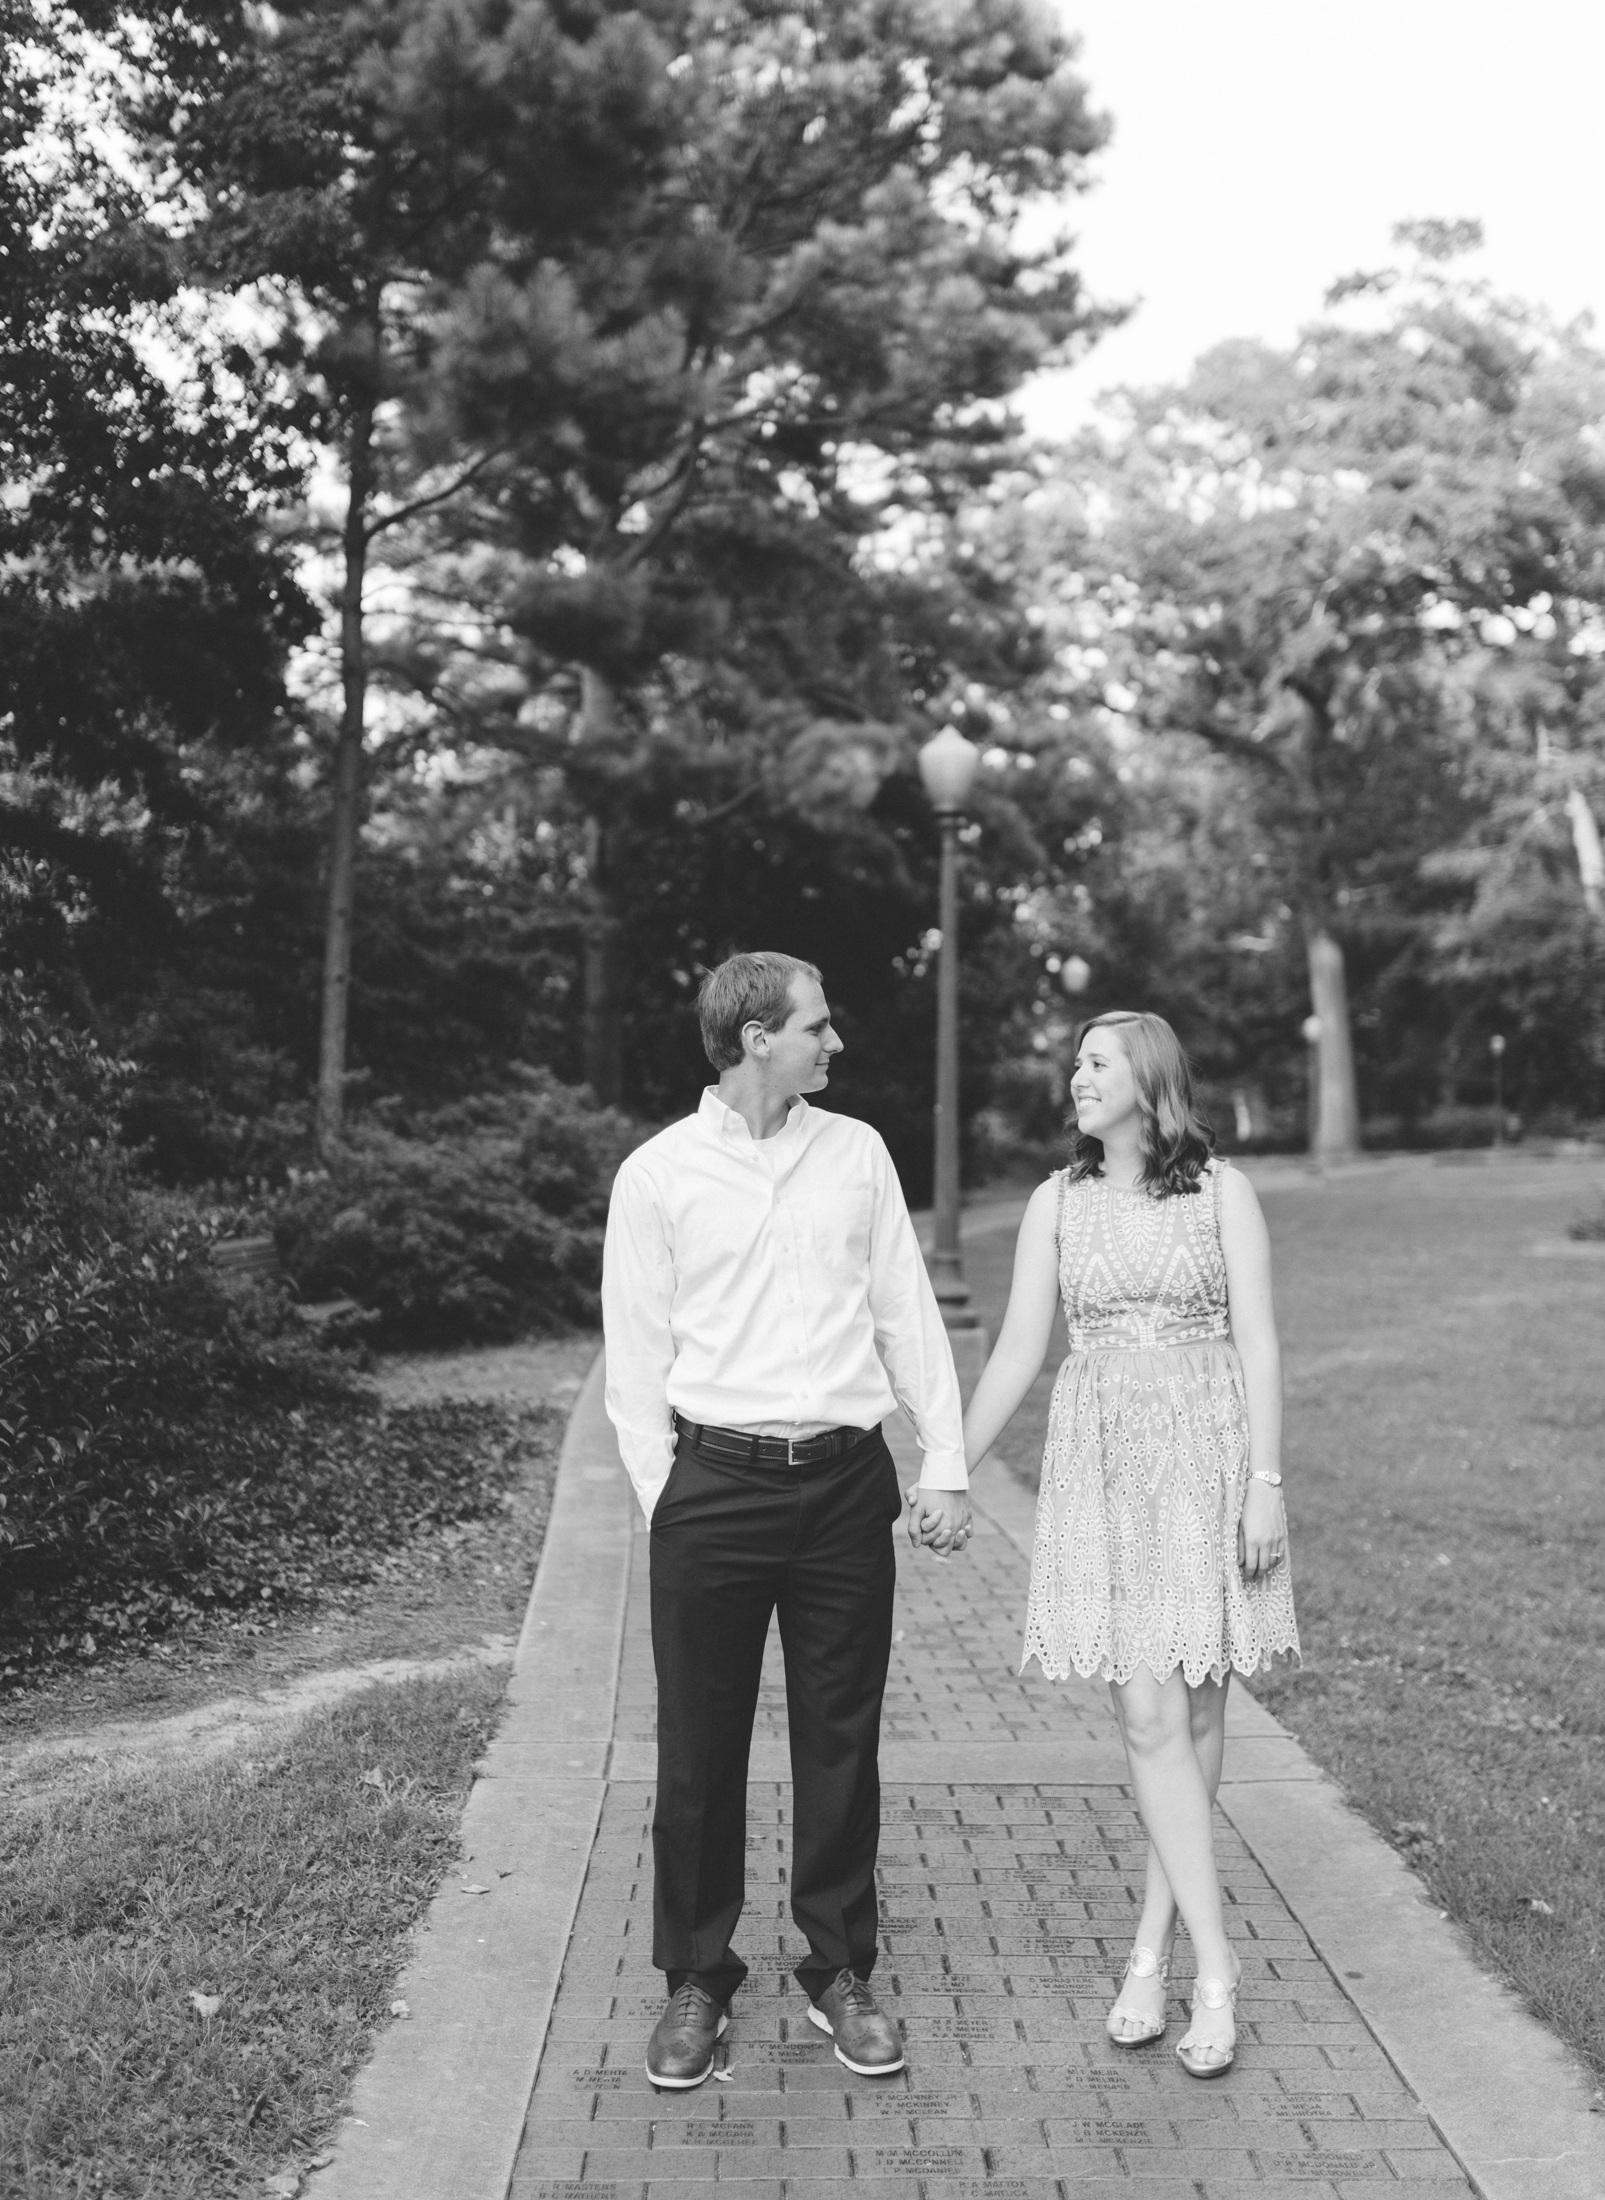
(799, 1053)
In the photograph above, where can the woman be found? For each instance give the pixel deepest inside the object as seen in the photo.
(1160, 1557)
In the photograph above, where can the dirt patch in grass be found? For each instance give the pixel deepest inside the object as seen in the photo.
(452, 1586)
(256, 1814)
(193, 1963)
(1446, 1431)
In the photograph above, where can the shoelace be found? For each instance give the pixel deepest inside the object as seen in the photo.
(856, 1996)
(685, 2001)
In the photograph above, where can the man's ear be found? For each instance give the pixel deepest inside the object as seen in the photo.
(752, 1025)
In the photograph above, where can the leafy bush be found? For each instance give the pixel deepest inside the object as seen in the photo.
(165, 1449)
(475, 1223)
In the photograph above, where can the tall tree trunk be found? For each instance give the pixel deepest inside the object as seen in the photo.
(604, 1055)
(1590, 855)
(346, 815)
(1337, 1102)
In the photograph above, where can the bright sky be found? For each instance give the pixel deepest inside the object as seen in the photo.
(1262, 148)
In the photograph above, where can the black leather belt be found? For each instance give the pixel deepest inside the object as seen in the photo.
(742, 1449)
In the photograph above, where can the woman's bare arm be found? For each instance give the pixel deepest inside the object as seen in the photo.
(1022, 1343)
(1246, 1243)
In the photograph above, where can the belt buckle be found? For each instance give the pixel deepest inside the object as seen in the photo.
(791, 1449)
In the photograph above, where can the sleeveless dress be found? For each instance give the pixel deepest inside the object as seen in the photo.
(1134, 1560)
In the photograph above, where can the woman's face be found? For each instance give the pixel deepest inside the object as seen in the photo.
(1104, 1088)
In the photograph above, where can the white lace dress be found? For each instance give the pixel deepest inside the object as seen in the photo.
(1146, 1466)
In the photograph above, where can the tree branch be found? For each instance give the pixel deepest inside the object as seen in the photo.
(643, 545)
(723, 809)
(1231, 743)
(377, 526)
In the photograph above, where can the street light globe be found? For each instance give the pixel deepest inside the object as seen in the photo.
(1311, 1028)
(948, 766)
(1496, 1045)
(1075, 974)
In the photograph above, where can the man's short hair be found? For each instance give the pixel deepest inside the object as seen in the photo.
(746, 989)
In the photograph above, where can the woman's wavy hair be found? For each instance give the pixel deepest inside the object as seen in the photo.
(1176, 1137)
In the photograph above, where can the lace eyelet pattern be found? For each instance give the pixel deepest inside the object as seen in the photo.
(1146, 1465)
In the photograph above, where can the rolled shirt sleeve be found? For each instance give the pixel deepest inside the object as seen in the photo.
(637, 1297)
(910, 1335)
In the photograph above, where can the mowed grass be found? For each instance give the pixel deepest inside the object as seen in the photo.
(279, 1881)
(280, 1890)
(1446, 1483)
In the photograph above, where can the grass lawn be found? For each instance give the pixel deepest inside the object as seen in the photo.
(276, 1877)
(1446, 1485)
(193, 1960)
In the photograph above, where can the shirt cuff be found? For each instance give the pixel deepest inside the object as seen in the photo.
(944, 1470)
(649, 1487)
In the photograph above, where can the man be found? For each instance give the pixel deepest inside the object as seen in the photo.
(766, 1307)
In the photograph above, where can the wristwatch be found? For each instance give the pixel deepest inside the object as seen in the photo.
(1259, 1475)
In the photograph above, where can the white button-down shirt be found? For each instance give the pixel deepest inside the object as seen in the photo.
(770, 1284)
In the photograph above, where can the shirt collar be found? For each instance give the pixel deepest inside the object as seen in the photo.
(726, 1124)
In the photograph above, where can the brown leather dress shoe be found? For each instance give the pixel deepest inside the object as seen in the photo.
(680, 2051)
(866, 2040)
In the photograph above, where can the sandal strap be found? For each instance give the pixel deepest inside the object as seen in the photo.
(1214, 1993)
(1144, 1963)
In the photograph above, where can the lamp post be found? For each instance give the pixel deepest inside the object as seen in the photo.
(947, 766)
(1496, 1047)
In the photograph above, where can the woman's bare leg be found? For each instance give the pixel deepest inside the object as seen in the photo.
(1156, 1928)
(1175, 1742)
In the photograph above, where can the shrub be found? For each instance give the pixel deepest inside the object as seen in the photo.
(133, 1392)
(475, 1223)
(93, 1299)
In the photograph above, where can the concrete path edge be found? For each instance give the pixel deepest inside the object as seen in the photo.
(439, 2109)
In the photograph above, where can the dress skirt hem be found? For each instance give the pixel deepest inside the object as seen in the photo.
(1134, 1560)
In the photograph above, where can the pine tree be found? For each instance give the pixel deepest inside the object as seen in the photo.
(808, 314)
(339, 165)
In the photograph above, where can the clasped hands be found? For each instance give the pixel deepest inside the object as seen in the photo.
(938, 1519)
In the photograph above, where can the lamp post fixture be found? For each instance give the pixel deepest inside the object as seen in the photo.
(948, 766)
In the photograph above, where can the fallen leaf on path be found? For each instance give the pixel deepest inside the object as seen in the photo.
(399, 2009)
(724, 2077)
(288, 2182)
(472, 1886)
(206, 2005)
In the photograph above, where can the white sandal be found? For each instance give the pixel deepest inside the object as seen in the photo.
(1202, 2058)
(1141, 1963)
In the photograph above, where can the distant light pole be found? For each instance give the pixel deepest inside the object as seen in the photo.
(1496, 1047)
(947, 766)
(1311, 1028)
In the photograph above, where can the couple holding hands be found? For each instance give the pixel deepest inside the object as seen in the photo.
(766, 1307)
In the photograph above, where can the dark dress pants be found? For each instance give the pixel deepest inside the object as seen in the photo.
(730, 1545)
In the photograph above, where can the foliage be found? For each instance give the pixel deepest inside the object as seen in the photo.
(144, 613)
(473, 1223)
(109, 1322)
(1366, 573)
(165, 1451)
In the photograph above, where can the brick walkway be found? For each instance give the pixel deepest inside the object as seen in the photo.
(1010, 1874)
